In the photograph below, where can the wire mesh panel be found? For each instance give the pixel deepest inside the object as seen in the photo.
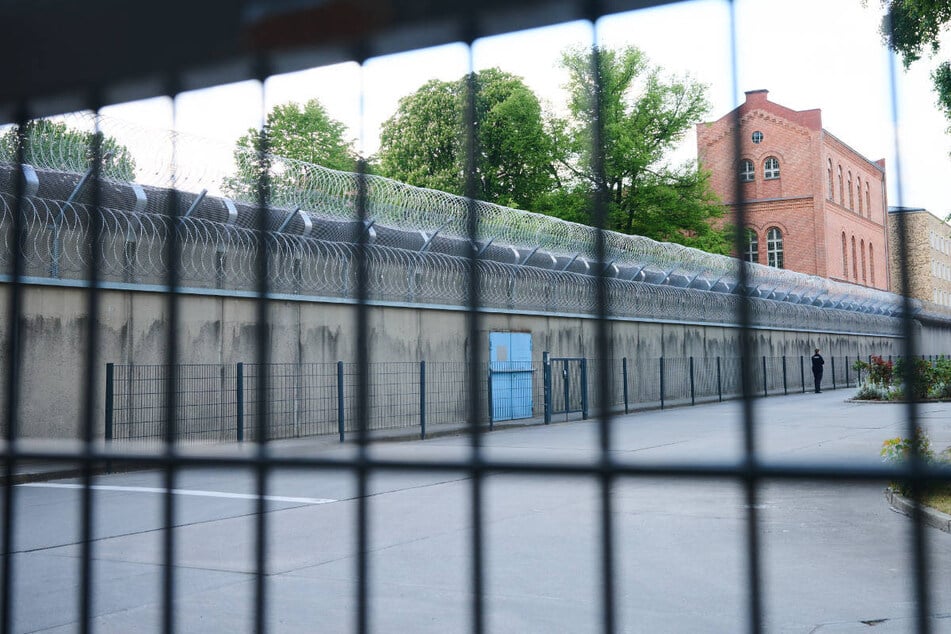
(84, 242)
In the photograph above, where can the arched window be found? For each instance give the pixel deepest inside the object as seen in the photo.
(851, 197)
(871, 264)
(774, 248)
(862, 251)
(831, 182)
(868, 201)
(841, 188)
(747, 170)
(855, 262)
(858, 192)
(752, 246)
(771, 168)
(845, 256)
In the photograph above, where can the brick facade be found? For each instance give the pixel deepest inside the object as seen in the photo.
(825, 201)
(927, 255)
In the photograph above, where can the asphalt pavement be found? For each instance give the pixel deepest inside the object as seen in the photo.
(834, 555)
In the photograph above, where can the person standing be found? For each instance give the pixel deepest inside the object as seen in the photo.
(817, 363)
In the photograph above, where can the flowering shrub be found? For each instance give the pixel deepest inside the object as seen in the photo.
(897, 450)
(879, 374)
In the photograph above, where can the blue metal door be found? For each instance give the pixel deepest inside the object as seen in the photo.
(510, 375)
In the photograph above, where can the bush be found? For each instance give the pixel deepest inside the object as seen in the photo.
(898, 450)
(918, 373)
(872, 392)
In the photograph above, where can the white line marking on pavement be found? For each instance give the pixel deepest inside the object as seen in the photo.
(207, 494)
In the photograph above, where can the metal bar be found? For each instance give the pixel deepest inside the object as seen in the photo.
(719, 382)
(584, 390)
(624, 375)
(422, 400)
(662, 382)
(546, 373)
(239, 400)
(802, 372)
(785, 385)
(765, 392)
(693, 400)
(110, 400)
(340, 410)
(491, 396)
(833, 370)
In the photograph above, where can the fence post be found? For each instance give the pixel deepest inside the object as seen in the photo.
(110, 400)
(719, 382)
(624, 373)
(422, 400)
(764, 376)
(833, 372)
(489, 393)
(340, 421)
(802, 373)
(662, 382)
(546, 377)
(693, 400)
(239, 401)
(785, 386)
(847, 371)
(584, 389)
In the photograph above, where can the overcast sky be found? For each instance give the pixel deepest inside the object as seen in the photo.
(805, 52)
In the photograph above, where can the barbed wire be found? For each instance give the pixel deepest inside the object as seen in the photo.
(167, 158)
(133, 249)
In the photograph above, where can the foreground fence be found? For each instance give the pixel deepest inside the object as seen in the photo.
(220, 402)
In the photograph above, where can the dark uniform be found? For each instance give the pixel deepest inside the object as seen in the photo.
(817, 363)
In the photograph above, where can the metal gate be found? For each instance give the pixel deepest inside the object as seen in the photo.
(510, 375)
(566, 386)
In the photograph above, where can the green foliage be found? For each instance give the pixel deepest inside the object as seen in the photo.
(424, 142)
(879, 371)
(899, 450)
(643, 116)
(306, 134)
(53, 145)
(917, 373)
(913, 28)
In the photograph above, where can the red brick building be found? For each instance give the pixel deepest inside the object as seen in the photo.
(814, 204)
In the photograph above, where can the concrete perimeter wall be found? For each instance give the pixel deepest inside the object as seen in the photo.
(133, 329)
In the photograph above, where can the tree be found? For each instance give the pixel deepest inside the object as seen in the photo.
(643, 117)
(912, 27)
(304, 134)
(53, 145)
(424, 142)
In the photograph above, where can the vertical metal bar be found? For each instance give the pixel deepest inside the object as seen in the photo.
(340, 410)
(846, 370)
(110, 403)
(833, 371)
(422, 400)
(584, 389)
(719, 382)
(915, 461)
(546, 374)
(743, 317)
(785, 384)
(12, 374)
(802, 372)
(765, 393)
(662, 382)
(624, 376)
(490, 396)
(239, 400)
(693, 400)
(566, 384)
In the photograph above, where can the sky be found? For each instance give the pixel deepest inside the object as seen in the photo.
(807, 53)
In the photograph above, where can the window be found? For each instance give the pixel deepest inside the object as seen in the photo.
(774, 248)
(831, 182)
(752, 246)
(858, 192)
(841, 187)
(868, 201)
(871, 264)
(747, 170)
(851, 198)
(757, 137)
(862, 251)
(845, 256)
(771, 168)
(855, 263)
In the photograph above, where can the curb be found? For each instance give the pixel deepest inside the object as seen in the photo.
(931, 517)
